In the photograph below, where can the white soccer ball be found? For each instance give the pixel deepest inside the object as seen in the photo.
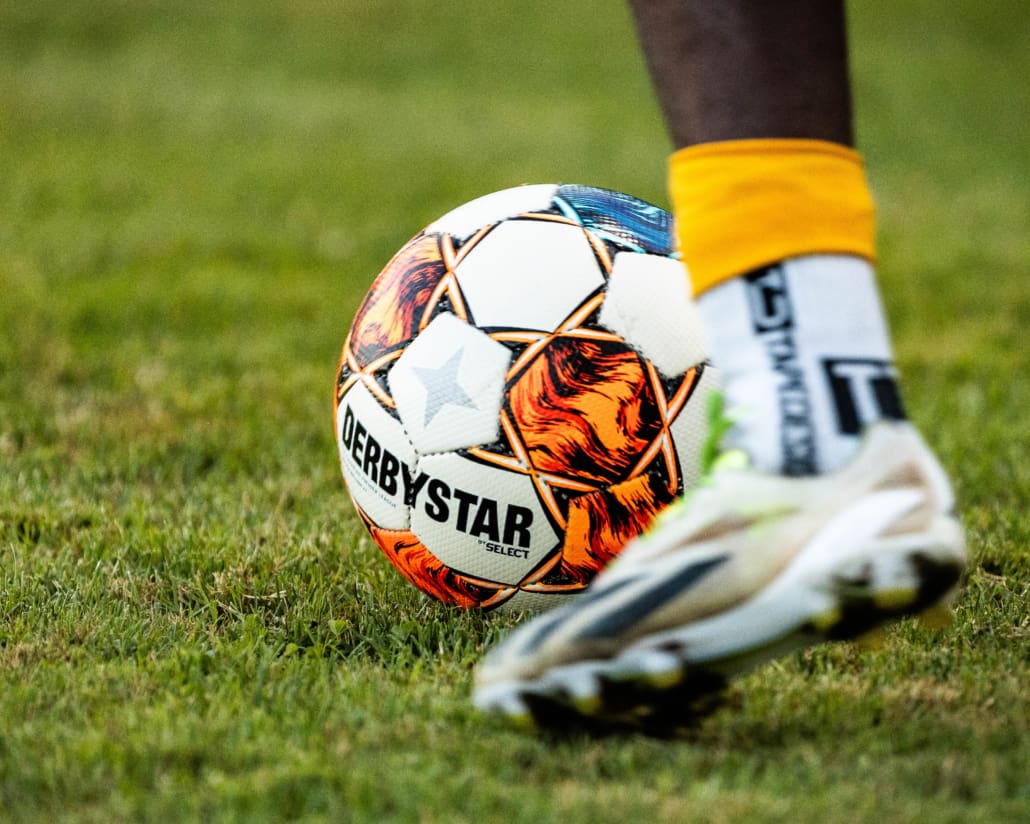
(521, 391)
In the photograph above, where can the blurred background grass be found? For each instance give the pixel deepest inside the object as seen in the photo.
(193, 199)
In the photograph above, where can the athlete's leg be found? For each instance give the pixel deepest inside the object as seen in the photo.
(757, 99)
(776, 229)
(746, 68)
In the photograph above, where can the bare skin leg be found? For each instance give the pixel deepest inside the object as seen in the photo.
(737, 69)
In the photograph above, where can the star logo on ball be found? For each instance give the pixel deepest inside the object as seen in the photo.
(442, 386)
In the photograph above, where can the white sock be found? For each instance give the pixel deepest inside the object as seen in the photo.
(805, 361)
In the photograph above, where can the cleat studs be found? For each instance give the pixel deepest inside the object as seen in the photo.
(576, 685)
(523, 723)
(503, 700)
(827, 620)
(938, 616)
(655, 669)
(893, 600)
(873, 640)
(589, 705)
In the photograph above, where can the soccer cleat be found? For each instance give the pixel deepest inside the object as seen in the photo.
(749, 566)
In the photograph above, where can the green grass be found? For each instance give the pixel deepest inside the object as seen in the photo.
(193, 199)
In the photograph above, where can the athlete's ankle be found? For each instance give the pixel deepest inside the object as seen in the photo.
(801, 343)
(802, 350)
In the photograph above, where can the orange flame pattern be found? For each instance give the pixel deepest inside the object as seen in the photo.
(585, 409)
(427, 572)
(390, 314)
(601, 522)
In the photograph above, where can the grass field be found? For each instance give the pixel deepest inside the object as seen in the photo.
(193, 626)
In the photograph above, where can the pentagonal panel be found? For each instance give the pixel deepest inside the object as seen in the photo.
(648, 304)
(480, 520)
(376, 457)
(493, 208)
(448, 386)
(528, 274)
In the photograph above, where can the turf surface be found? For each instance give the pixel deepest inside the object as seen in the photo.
(193, 626)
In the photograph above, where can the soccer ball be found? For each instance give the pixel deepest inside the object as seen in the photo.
(521, 391)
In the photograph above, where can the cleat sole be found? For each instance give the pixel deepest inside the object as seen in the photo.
(664, 684)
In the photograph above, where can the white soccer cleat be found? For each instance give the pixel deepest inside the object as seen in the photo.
(747, 567)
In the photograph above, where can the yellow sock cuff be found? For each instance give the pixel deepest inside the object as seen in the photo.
(743, 204)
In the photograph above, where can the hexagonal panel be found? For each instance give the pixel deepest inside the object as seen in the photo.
(448, 386)
(528, 274)
(523, 601)
(468, 218)
(690, 429)
(480, 520)
(375, 456)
